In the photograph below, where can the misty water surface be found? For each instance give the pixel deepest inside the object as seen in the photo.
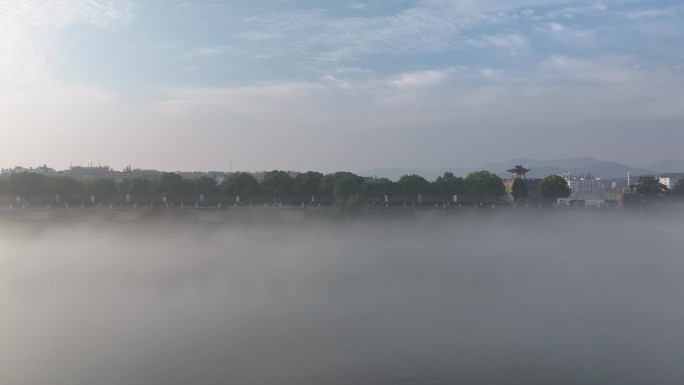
(562, 300)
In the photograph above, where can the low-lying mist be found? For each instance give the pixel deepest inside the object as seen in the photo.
(563, 300)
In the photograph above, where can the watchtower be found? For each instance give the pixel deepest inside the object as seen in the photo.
(518, 172)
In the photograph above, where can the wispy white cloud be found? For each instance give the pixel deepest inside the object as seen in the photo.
(610, 92)
(186, 6)
(608, 69)
(34, 98)
(654, 12)
(570, 35)
(246, 100)
(337, 82)
(423, 87)
(556, 27)
(210, 51)
(420, 29)
(490, 73)
(512, 43)
(578, 10)
(336, 102)
(190, 69)
(29, 31)
(417, 79)
(429, 26)
(204, 51)
(57, 95)
(182, 6)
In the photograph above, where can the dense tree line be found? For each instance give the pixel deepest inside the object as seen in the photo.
(678, 188)
(275, 185)
(279, 186)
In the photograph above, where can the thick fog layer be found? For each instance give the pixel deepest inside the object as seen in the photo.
(563, 300)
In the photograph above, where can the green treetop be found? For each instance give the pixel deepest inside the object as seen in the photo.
(650, 186)
(240, 183)
(484, 185)
(412, 185)
(277, 183)
(678, 188)
(449, 185)
(554, 186)
(519, 189)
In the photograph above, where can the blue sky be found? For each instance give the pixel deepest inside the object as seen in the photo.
(339, 85)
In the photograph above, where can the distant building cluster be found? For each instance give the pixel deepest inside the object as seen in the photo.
(101, 172)
(44, 170)
(587, 190)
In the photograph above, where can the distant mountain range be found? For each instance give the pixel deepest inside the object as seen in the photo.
(541, 168)
(667, 166)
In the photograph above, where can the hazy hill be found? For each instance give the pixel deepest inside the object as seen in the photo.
(392, 173)
(539, 168)
(600, 169)
(668, 165)
(396, 173)
(540, 164)
(611, 170)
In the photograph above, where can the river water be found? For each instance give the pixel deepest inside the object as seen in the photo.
(540, 302)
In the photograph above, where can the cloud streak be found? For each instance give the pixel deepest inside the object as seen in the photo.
(425, 27)
(29, 32)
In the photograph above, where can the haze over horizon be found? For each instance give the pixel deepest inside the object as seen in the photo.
(301, 85)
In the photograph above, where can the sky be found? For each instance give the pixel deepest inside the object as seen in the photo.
(338, 85)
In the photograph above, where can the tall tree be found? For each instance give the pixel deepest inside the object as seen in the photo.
(205, 185)
(169, 183)
(484, 185)
(186, 188)
(64, 186)
(678, 188)
(554, 187)
(342, 184)
(27, 184)
(412, 185)
(378, 188)
(308, 183)
(277, 183)
(519, 189)
(449, 185)
(136, 186)
(101, 188)
(650, 186)
(240, 183)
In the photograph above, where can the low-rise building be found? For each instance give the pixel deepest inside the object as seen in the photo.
(44, 170)
(139, 173)
(90, 172)
(670, 179)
